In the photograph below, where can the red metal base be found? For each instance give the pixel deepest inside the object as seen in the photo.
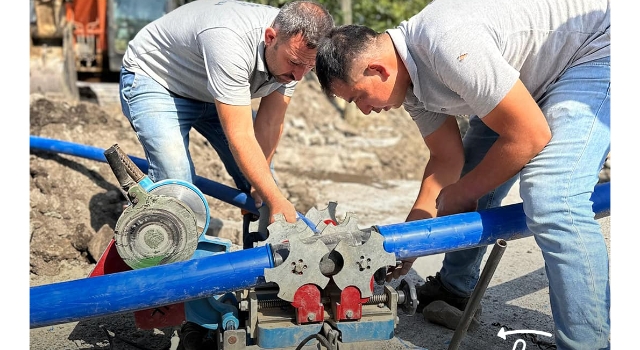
(109, 262)
(308, 304)
(159, 317)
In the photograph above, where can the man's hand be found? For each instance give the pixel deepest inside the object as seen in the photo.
(402, 268)
(284, 207)
(453, 201)
(257, 200)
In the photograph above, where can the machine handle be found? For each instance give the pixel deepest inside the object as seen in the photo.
(118, 167)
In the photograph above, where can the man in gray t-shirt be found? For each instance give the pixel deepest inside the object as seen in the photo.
(199, 66)
(534, 77)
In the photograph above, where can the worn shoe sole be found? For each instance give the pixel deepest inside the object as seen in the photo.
(443, 314)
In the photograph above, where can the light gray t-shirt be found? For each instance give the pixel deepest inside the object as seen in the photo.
(463, 56)
(208, 49)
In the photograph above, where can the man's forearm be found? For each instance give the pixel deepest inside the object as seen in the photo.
(437, 174)
(268, 139)
(503, 160)
(269, 123)
(254, 166)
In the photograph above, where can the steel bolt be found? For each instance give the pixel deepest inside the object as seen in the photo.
(311, 316)
(349, 314)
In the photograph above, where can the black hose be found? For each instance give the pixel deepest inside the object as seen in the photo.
(321, 338)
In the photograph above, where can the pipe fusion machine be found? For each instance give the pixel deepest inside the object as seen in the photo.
(318, 286)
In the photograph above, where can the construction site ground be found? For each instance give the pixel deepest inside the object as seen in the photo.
(369, 165)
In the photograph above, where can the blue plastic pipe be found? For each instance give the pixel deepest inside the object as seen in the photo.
(207, 276)
(214, 189)
(221, 273)
(148, 287)
(468, 230)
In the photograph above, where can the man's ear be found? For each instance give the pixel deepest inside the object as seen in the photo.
(270, 36)
(377, 68)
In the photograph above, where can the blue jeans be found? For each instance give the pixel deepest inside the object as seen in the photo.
(555, 187)
(162, 121)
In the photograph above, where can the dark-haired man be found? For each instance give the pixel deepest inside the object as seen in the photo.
(534, 77)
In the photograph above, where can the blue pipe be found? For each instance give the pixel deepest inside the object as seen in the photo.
(148, 287)
(211, 275)
(468, 230)
(198, 278)
(214, 189)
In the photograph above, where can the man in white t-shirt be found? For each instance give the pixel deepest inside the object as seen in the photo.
(199, 66)
(534, 77)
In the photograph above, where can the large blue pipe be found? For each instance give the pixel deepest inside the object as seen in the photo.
(214, 189)
(468, 230)
(148, 287)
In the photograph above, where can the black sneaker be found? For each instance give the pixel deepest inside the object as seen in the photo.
(433, 290)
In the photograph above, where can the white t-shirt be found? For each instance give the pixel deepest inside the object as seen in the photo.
(463, 56)
(208, 49)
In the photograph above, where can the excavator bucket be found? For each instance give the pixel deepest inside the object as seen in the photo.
(52, 59)
(52, 69)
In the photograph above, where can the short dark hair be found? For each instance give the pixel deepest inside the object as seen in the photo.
(305, 17)
(336, 54)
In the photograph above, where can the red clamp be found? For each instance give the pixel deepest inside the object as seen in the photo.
(308, 303)
(349, 308)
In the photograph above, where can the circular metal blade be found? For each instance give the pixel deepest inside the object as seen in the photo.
(186, 195)
(161, 230)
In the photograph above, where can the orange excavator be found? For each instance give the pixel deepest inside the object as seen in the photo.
(69, 37)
